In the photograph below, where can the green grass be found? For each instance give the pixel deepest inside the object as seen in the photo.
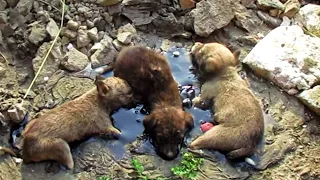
(104, 178)
(188, 167)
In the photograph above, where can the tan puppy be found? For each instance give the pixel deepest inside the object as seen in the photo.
(150, 76)
(237, 112)
(47, 137)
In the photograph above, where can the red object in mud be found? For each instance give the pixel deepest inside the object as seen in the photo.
(206, 126)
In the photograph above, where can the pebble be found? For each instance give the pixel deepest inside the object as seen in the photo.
(93, 34)
(176, 54)
(72, 25)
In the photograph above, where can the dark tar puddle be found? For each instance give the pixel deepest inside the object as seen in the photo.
(129, 121)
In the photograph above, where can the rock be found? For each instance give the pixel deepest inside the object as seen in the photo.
(275, 152)
(311, 98)
(82, 38)
(68, 88)
(3, 18)
(211, 15)
(9, 168)
(106, 54)
(83, 9)
(308, 17)
(137, 17)
(168, 25)
(247, 19)
(270, 4)
(52, 62)
(16, 19)
(127, 28)
(108, 2)
(187, 4)
(292, 7)
(38, 33)
(289, 65)
(118, 45)
(125, 37)
(24, 6)
(74, 60)
(70, 34)
(2, 71)
(72, 25)
(12, 3)
(18, 111)
(3, 5)
(52, 28)
(272, 22)
(93, 34)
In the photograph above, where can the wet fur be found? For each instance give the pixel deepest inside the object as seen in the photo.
(150, 76)
(237, 112)
(47, 137)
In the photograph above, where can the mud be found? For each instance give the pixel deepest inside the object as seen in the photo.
(290, 149)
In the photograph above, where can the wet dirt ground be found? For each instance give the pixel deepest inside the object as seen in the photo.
(291, 150)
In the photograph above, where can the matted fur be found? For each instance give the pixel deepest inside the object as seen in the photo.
(47, 137)
(150, 76)
(237, 111)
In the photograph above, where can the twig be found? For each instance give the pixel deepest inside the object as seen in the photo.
(50, 5)
(44, 60)
(4, 57)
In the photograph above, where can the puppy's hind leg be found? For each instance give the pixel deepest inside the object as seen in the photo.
(48, 149)
(239, 153)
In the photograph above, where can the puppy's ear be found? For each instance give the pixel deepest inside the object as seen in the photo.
(236, 55)
(101, 86)
(196, 47)
(149, 123)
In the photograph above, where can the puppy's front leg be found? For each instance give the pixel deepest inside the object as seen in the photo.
(201, 103)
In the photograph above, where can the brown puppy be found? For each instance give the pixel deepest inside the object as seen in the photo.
(47, 137)
(238, 112)
(149, 75)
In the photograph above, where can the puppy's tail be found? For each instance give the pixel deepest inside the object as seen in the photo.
(4, 150)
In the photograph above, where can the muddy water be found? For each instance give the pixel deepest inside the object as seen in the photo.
(129, 121)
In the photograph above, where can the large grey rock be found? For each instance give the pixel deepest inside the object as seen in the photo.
(38, 33)
(309, 17)
(311, 98)
(105, 54)
(75, 60)
(52, 28)
(24, 6)
(3, 5)
(52, 63)
(211, 15)
(287, 57)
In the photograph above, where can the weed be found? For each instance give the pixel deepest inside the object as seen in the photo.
(188, 167)
(104, 178)
(139, 169)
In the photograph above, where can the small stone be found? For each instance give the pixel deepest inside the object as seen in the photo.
(93, 34)
(70, 34)
(46, 78)
(82, 38)
(108, 2)
(24, 6)
(52, 28)
(176, 54)
(72, 25)
(127, 28)
(90, 24)
(38, 33)
(2, 71)
(3, 17)
(74, 60)
(3, 5)
(187, 4)
(292, 8)
(107, 17)
(311, 98)
(269, 4)
(118, 45)
(83, 9)
(106, 54)
(125, 37)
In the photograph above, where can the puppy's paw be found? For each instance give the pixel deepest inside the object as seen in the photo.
(196, 101)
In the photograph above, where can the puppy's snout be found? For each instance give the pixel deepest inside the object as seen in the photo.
(169, 153)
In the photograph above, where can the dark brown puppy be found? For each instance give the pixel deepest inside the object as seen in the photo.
(149, 75)
(47, 137)
(237, 111)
